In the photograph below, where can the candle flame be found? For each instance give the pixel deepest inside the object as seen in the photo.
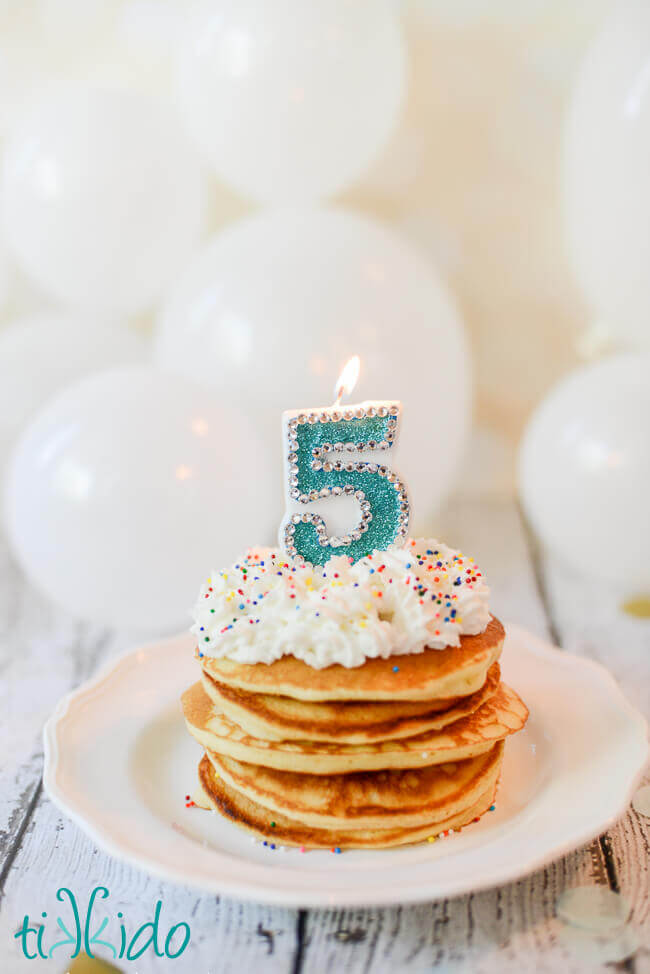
(347, 379)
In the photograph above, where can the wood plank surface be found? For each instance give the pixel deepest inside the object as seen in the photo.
(589, 620)
(226, 936)
(512, 928)
(44, 653)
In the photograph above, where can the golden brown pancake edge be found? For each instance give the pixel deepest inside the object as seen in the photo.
(214, 793)
(453, 671)
(501, 715)
(271, 717)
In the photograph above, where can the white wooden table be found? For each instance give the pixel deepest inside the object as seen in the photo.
(43, 654)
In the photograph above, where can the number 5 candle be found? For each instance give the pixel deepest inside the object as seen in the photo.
(335, 462)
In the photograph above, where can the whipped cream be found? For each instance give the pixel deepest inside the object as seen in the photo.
(390, 603)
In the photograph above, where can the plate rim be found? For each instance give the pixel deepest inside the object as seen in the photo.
(340, 895)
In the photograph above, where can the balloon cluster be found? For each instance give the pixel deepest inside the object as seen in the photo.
(584, 465)
(127, 485)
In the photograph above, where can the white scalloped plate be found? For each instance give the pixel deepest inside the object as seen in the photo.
(119, 762)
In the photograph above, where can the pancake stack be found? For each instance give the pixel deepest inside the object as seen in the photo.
(394, 751)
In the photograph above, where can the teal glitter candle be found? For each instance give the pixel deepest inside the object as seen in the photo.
(327, 457)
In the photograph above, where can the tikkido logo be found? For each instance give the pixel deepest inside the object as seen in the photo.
(88, 932)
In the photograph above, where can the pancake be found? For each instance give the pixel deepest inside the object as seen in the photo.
(214, 793)
(435, 673)
(501, 715)
(366, 799)
(271, 717)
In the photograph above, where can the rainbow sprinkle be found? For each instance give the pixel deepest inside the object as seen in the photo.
(430, 573)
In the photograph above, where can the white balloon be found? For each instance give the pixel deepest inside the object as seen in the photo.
(127, 489)
(291, 100)
(148, 29)
(72, 23)
(606, 163)
(5, 274)
(273, 307)
(584, 470)
(42, 353)
(21, 73)
(102, 198)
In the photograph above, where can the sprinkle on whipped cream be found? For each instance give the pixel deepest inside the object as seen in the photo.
(390, 603)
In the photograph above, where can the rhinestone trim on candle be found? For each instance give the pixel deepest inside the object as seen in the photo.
(314, 440)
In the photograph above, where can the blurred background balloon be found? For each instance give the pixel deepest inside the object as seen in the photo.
(73, 23)
(128, 488)
(5, 273)
(102, 198)
(291, 101)
(105, 195)
(273, 306)
(147, 31)
(607, 181)
(584, 470)
(41, 353)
